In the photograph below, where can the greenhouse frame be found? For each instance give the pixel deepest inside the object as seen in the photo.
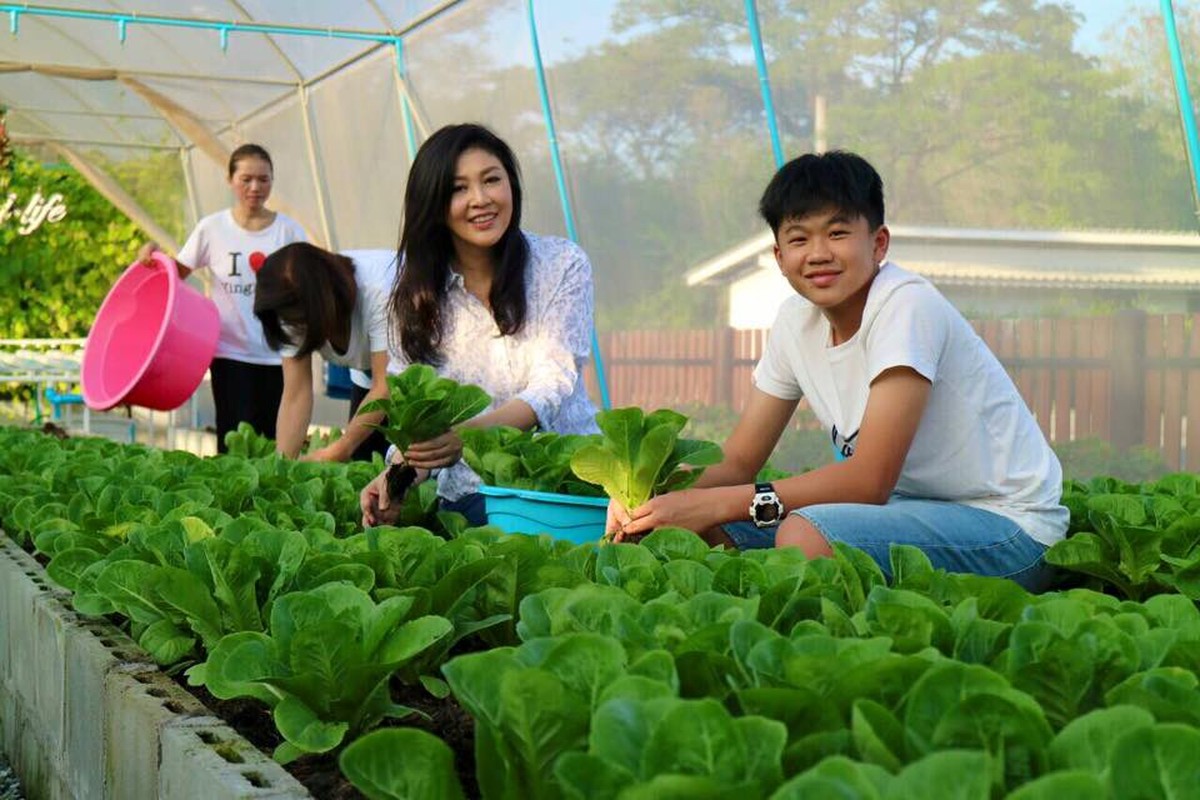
(179, 624)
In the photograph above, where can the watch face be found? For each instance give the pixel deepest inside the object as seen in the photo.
(767, 512)
(766, 509)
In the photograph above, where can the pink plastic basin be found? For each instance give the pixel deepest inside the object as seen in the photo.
(153, 338)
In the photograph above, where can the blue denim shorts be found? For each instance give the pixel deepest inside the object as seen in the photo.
(470, 506)
(956, 537)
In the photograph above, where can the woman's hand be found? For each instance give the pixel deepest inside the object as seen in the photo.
(327, 453)
(687, 508)
(376, 505)
(147, 250)
(444, 451)
(378, 508)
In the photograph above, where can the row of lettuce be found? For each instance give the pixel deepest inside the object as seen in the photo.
(663, 669)
(1135, 540)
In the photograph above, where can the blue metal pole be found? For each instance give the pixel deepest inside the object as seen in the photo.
(410, 139)
(561, 181)
(1187, 112)
(764, 82)
(223, 28)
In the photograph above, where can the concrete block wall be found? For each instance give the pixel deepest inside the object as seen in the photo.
(86, 715)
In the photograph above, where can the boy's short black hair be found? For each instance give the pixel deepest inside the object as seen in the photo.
(814, 183)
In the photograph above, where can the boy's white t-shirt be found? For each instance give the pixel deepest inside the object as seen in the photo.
(374, 273)
(234, 255)
(977, 443)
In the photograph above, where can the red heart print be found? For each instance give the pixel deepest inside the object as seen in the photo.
(256, 260)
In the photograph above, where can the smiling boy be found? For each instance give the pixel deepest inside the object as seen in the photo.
(934, 445)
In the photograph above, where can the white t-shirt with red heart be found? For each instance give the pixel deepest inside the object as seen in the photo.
(234, 255)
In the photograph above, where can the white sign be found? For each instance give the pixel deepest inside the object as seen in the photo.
(38, 210)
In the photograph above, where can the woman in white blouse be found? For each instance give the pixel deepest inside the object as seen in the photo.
(484, 303)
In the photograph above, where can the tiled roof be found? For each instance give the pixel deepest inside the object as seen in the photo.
(1122, 260)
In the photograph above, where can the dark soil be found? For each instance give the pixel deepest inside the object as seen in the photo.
(399, 478)
(452, 724)
(57, 431)
(320, 773)
(321, 776)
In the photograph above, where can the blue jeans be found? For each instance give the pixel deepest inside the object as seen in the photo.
(955, 537)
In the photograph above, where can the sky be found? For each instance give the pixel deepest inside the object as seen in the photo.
(568, 25)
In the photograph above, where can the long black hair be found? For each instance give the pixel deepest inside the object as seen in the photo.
(304, 297)
(426, 246)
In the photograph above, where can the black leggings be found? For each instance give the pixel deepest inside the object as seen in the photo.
(245, 393)
(375, 443)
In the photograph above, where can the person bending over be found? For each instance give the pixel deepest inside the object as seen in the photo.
(311, 300)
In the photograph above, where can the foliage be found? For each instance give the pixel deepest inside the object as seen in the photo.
(801, 447)
(426, 772)
(180, 596)
(6, 152)
(641, 455)
(155, 180)
(1136, 539)
(532, 460)
(662, 669)
(422, 406)
(1084, 459)
(977, 114)
(686, 747)
(324, 667)
(245, 442)
(55, 278)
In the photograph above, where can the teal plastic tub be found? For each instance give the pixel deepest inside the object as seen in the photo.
(563, 516)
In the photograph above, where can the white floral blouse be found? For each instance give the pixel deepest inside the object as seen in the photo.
(542, 364)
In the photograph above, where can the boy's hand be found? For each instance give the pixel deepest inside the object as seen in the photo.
(688, 508)
(615, 520)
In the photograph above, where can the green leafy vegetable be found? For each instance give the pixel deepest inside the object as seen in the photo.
(422, 406)
(641, 455)
(324, 667)
(246, 442)
(533, 460)
(425, 772)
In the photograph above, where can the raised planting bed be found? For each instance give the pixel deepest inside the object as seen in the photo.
(84, 714)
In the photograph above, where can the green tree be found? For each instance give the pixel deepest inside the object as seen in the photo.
(156, 182)
(53, 280)
(978, 113)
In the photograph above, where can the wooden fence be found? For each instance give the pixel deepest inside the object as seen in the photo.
(1131, 378)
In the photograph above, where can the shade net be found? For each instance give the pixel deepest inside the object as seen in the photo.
(1024, 147)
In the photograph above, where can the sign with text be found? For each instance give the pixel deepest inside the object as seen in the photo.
(33, 214)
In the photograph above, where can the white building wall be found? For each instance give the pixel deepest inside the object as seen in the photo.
(755, 299)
